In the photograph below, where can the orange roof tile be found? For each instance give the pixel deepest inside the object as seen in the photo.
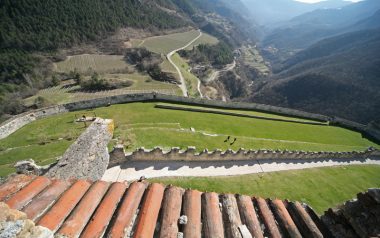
(99, 209)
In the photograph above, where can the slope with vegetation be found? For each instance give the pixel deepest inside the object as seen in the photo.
(33, 35)
(338, 77)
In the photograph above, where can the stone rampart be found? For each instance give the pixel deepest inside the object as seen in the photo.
(12, 125)
(175, 154)
(87, 157)
(19, 121)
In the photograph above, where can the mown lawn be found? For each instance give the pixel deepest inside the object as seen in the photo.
(143, 125)
(321, 188)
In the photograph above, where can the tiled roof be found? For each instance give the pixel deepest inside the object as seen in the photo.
(83, 208)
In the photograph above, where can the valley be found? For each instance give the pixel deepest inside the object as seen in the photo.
(113, 114)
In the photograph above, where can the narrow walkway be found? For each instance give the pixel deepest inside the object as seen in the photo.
(153, 169)
(183, 83)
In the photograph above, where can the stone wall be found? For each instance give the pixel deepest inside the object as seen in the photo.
(175, 154)
(87, 157)
(13, 124)
(19, 121)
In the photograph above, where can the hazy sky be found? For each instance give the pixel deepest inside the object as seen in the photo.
(313, 1)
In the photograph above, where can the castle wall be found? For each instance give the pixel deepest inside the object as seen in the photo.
(15, 123)
(158, 154)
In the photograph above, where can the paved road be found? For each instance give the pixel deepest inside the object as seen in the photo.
(183, 83)
(153, 169)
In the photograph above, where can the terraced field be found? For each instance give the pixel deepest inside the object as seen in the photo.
(141, 84)
(253, 58)
(88, 63)
(143, 125)
(167, 43)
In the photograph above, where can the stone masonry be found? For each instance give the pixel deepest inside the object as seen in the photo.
(87, 157)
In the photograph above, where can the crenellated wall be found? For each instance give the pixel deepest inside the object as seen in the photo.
(117, 156)
(15, 123)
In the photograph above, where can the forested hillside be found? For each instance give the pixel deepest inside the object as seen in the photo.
(47, 25)
(338, 76)
(33, 32)
(30, 26)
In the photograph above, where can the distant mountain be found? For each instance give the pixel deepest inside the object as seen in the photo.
(309, 28)
(268, 12)
(337, 76)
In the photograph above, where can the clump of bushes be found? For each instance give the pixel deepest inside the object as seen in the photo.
(217, 55)
(148, 62)
(96, 83)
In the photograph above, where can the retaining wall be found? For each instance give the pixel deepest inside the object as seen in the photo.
(175, 154)
(12, 125)
(19, 121)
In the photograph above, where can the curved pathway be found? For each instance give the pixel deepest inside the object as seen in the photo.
(133, 170)
(216, 73)
(183, 83)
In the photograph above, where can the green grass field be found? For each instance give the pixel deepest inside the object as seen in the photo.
(321, 188)
(143, 125)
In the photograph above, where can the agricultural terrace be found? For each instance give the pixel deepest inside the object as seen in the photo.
(320, 188)
(144, 125)
(167, 43)
(114, 67)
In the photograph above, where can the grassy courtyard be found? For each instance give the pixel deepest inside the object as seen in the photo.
(321, 188)
(143, 125)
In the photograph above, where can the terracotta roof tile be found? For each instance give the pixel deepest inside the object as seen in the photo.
(149, 211)
(99, 209)
(54, 218)
(249, 216)
(212, 216)
(171, 212)
(268, 219)
(285, 219)
(231, 216)
(102, 217)
(45, 199)
(26, 194)
(13, 185)
(79, 217)
(303, 220)
(127, 210)
(192, 210)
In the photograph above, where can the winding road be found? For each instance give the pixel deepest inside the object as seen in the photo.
(133, 170)
(215, 74)
(183, 83)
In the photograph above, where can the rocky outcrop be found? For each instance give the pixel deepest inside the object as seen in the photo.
(29, 167)
(356, 218)
(14, 224)
(87, 157)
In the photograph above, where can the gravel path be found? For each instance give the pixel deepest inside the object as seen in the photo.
(169, 57)
(153, 169)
